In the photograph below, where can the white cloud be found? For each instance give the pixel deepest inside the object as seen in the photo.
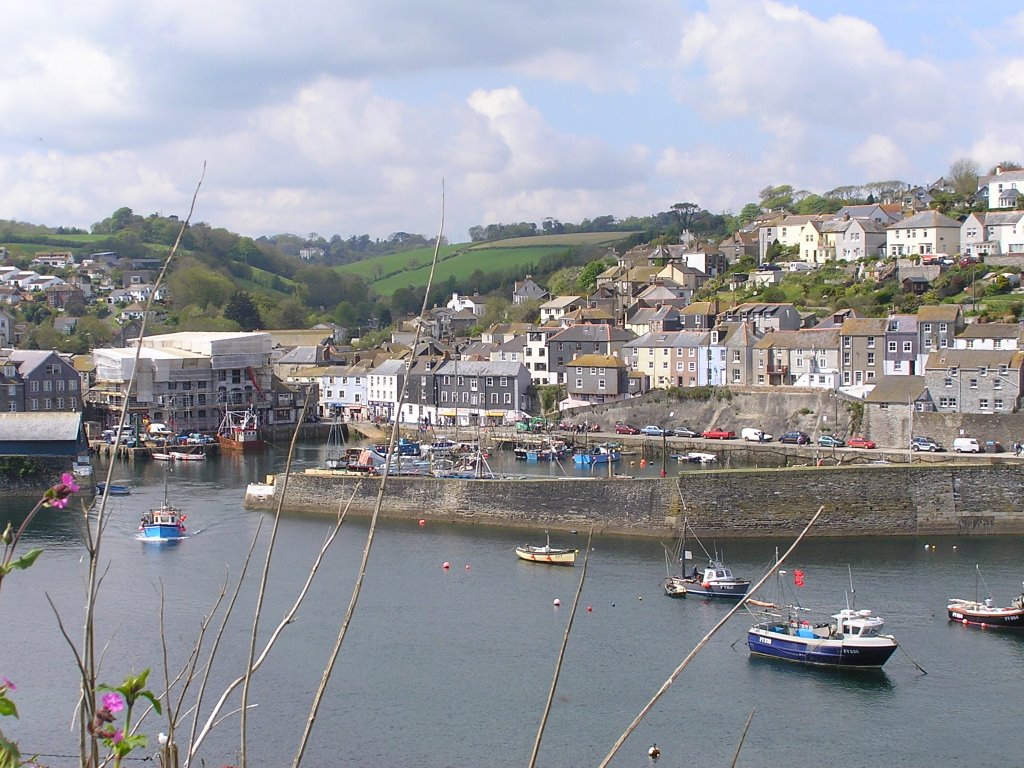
(879, 158)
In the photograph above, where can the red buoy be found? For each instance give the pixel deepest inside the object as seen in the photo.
(446, 565)
(423, 522)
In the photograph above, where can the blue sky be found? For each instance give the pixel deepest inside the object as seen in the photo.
(344, 118)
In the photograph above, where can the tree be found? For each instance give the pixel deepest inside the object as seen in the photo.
(963, 175)
(684, 212)
(587, 279)
(773, 198)
(242, 310)
(1005, 165)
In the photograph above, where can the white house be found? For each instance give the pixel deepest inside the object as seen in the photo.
(984, 233)
(474, 305)
(1004, 188)
(558, 306)
(923, 233)
(859, 238)
(383, 385)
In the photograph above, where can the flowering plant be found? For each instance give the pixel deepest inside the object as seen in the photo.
(55, 496)
(121, 741)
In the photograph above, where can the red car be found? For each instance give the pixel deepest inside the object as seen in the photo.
(860, 442)
(626, 429)
(717, 433)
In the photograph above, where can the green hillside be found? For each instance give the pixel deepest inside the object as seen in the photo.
(412, 268)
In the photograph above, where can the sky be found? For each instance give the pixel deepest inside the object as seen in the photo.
(347, 118)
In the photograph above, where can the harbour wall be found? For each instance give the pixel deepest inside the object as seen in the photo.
(964, 499)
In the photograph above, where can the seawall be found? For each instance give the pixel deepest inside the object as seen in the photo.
(859, 500)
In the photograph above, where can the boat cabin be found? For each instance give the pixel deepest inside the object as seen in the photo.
(853, 623)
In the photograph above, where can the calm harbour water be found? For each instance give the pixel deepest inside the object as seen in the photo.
(452, 667)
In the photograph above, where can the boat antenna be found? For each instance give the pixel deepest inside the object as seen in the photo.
(853, 592)
(988, 592)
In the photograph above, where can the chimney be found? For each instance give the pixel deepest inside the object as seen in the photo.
(999, 170)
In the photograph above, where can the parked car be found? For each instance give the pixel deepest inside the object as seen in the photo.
(925, 444)
(994, 446)
(652, 430)
(718, 433)
(755, 435)
(830, 441)
(684, 432)
(860, 442)
(966, 445)
(796, 438)
(626, 429)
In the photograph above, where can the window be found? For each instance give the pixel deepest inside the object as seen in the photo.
(508, 398)
(579, 383)
(871, 342)
(947, 381)
(927, 343)
(48, 404)
(736, 375)
(997, 384)
(1002, 370)
(503, 381)
(997, 404)
(927, 327)
(12, 406)
(871, 358)
(691, 367)
(34, 404)
(847, 342)
(892, 346)
(444, 396)
(846, 358)
(33, 386)
(871, 375)
(735, 355)
(760, 362)
(943, 343)
(907, 347)
(600, 384)
(579, 371)
(942, 327)
(970, 343)
(489, 381)
(983, 404)
(60, 403)
(983, 370)
(760, 378)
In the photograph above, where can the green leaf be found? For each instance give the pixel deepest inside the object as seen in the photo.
(7, 707)
(27, 559)
(10, 755)
(152, 700)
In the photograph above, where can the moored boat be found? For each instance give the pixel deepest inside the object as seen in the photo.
(599, 454)
(113, 489)
(853, 639)
(984, 613)
(547, 553)
(239, 431)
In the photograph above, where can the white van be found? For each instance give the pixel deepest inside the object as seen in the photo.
(966, 445)
(754, 435)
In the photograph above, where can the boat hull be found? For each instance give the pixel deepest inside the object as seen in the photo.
(113, 490)
(162, 532)
(734, 590)
(979, 615)
(548, 555)
(864, 653)
(244, 445)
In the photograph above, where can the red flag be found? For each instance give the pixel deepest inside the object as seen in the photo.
(798, 577)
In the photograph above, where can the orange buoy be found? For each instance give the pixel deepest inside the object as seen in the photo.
(706, 584)
(643, 463)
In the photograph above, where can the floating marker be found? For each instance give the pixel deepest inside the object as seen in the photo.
(556, 602)
(423, 522)
(467, 566)
(446, 565)
(639, 597)
(589, 609)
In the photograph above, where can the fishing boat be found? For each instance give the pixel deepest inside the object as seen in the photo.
(547, 553)
(113, 489)
(239, 431)
(599, 454)
(714, 580)
(163, 523)
(853, 639)
(984, 613)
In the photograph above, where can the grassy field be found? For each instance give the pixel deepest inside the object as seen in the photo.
(400, 270)
(462, 265)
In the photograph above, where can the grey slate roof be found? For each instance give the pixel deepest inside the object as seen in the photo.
(39, 426)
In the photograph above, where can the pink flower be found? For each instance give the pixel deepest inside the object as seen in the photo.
(118, 736)
(68, 481)
(59, 503)
(9, 685)
(113, 702)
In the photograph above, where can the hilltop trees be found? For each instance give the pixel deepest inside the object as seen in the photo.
(243, 311)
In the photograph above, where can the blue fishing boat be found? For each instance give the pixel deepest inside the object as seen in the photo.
(853, 639)
(112, 490)
(163, 523)
(599, 454)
